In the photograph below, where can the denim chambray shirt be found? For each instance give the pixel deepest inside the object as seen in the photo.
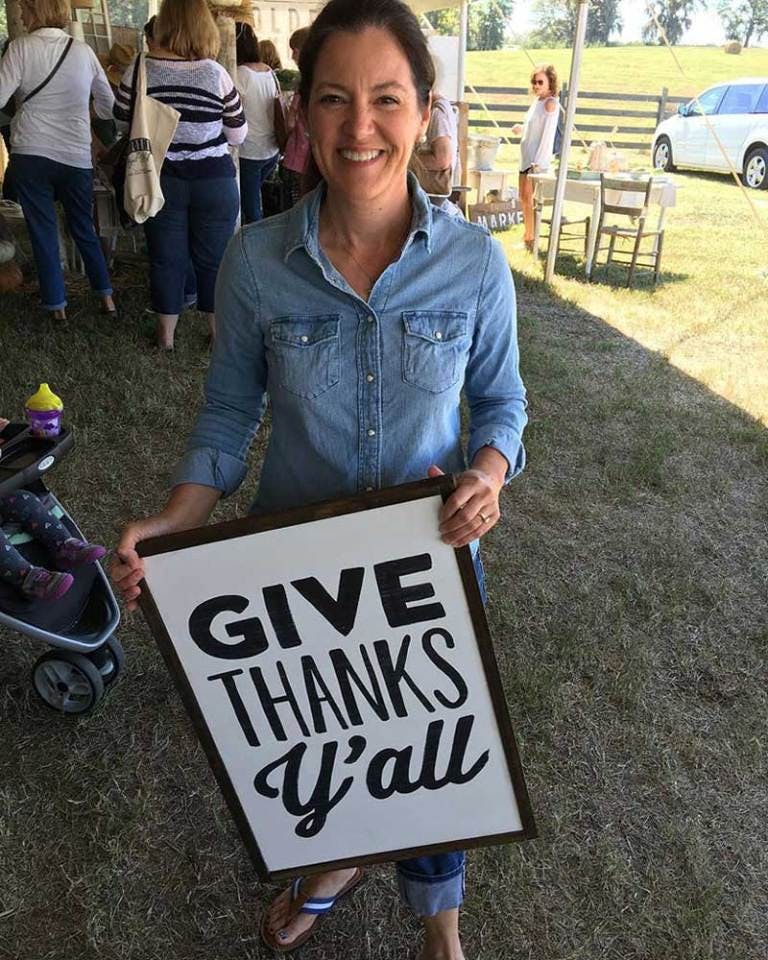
(363, 395)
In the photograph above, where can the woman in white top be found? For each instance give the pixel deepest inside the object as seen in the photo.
(54, 77)
(259, 152)
(538, 138)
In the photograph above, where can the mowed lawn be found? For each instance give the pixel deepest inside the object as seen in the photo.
(628, 583)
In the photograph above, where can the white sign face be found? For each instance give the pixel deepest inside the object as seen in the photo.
(336, 666)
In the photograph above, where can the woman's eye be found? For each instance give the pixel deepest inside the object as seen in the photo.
(388, 101)
(330, 98)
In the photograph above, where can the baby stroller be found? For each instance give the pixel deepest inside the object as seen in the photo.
(87, 658)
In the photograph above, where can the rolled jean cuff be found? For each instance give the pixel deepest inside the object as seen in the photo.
(104, 293)
(427, 896)
(55, 306)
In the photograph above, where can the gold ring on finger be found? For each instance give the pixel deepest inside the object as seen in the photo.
(483, 517)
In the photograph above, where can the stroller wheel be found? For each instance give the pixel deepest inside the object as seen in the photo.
(67, 682)
(109, 660)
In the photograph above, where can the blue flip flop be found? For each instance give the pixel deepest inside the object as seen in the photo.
(318, 907)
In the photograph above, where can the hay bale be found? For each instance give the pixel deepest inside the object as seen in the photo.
(732, 46)
(239, 10)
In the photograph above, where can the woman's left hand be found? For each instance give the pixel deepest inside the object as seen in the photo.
(472, 509)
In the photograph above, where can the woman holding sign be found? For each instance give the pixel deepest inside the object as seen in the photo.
(362, 313)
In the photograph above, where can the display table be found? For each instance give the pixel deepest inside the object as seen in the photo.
(663, 195)
(483, 181)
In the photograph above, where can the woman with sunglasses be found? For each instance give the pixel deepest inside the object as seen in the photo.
(538, 138)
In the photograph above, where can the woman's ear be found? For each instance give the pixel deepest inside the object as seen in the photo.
(425, 115)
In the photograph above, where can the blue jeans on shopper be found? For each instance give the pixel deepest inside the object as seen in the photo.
(431, 884)
(196, 223)
(39, 183)
(253, 173)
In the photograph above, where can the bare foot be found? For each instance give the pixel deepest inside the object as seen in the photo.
(441, 937)
(284, 923)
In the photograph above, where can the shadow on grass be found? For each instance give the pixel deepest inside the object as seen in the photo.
(628, 603)
(614, 274)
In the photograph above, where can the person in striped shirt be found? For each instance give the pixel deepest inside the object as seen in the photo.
(198, 175)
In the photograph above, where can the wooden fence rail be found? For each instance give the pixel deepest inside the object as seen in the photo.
(498, 109)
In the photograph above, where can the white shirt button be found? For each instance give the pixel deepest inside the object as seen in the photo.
(370, 378)
(370, 319)
(438, 336)
(305, 339)
(371, 432)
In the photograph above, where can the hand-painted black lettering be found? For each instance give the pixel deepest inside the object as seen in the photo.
(399, 779)
(396, 599)
(442, 664)
(269, 701)
(201, 618)
(393, 674)
(346, 676)
(280, 616)
(340, 611)
(321, 800)
(319, 693)
(357, 745)
(236, 701)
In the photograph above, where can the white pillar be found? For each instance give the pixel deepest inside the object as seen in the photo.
(570, 113)
(463, 39)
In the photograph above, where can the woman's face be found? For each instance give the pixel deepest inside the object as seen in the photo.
(541, 85)
(364, 116)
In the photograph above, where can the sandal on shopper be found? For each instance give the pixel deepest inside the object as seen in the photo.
(304, 903)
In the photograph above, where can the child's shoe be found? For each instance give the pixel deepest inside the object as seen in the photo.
(75, 553)
(42, 584)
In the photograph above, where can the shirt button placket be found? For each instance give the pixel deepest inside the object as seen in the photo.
(371, 403)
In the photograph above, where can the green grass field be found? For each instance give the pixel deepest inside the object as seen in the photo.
(628, 591)
(632, 69)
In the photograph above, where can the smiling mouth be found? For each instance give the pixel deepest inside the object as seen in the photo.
(361, 156)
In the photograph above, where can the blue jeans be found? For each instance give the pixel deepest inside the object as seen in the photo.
(39, 182)
(429, 885)
(252, 174)
(195, 224)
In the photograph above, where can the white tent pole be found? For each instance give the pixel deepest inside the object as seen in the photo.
(570, 113)
(463, 40)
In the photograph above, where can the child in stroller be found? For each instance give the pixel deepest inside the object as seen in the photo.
(66, 551)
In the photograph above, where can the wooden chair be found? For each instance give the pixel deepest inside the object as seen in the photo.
(567, 233)
(635, 209)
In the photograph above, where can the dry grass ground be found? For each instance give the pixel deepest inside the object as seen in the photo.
(628, 602)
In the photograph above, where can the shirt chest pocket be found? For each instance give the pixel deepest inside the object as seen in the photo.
(305, 354)
(435, 345)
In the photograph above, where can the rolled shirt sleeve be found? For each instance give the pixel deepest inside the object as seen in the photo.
(493, 386)
(235, 390)
(103, 98)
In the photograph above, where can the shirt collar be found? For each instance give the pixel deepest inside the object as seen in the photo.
(49, 32)
(304, 220)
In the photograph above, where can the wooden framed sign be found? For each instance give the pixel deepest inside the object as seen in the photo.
(496, 216)
(337, 666)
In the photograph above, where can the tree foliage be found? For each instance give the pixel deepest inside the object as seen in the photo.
(556, 22)
(673, 16)
(487, 23)
(128, 13)
(744, 20)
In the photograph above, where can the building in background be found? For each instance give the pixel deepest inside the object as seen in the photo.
(276, 20)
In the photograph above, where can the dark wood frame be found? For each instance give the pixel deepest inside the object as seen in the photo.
(442, 486)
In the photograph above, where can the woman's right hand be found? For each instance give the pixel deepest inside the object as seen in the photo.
(517, 129)
(127, 567)
(190, 505)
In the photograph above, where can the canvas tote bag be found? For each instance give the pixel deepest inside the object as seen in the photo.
(152, 128)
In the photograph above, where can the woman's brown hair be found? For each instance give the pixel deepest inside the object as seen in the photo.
(47, 13)
(268, 54)
(354, 16)
(551, 74)
(246, 44)
(187, 28)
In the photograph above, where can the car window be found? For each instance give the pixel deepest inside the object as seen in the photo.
(762, 103)
(741, 98)
(707, 103)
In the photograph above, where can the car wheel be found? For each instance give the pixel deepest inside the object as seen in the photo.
(662, 155)
(755, 174)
